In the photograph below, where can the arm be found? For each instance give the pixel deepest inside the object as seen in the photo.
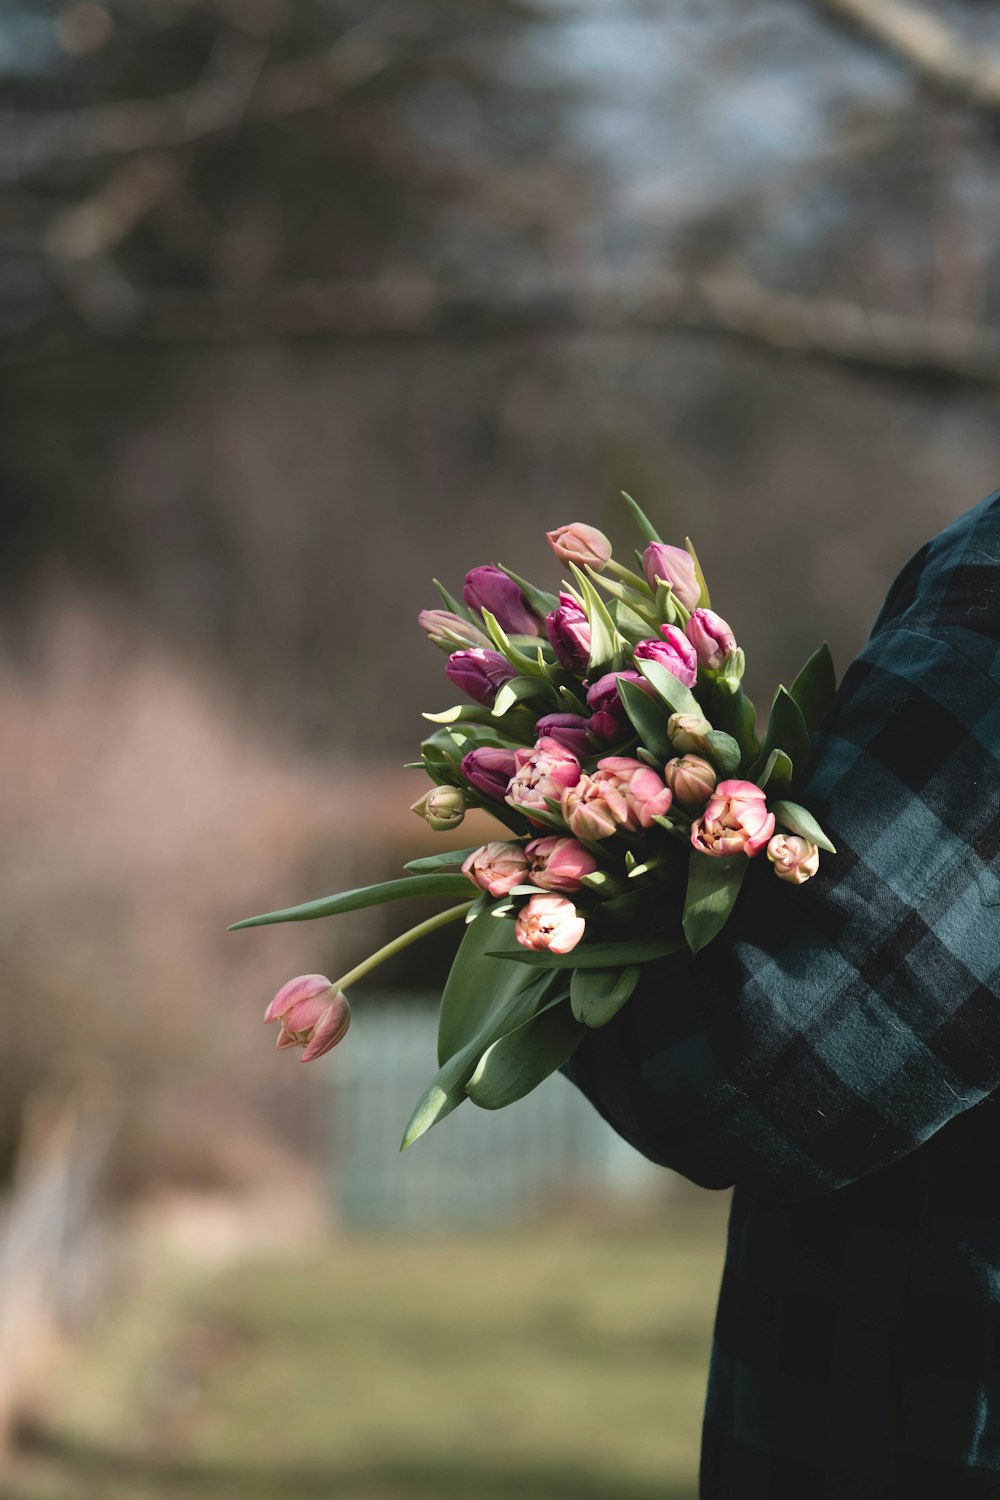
(833, 1027)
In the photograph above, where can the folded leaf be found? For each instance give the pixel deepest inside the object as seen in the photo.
(451, 603)
(641, 520)
(713, 885)
(637, 950)
(598, 994)
(724, 752)
(519, 1061)
(433, 864)
(541, 601)
(526, 666)
(786, 730)
(704, 601)
(776, 776)
(801, 821)
(678, 698)
(421, 886)
(815, 686)
(516, 691)
(648, 720)
(607, 649)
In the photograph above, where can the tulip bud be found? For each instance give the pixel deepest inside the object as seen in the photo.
(580, 544)
(549, 922)
(569, 730)
(609, 721)
(568, 630)
(711, 638)
(675, 652)
(443, 807)
(689, 733)
(672, 565)
(489, 770)
(692, 780)
(448, 630)
(795, 859)
(312, 1013)
(489, 588)
(558, 864)
(497, 868)
(736, 821)
(479, 674)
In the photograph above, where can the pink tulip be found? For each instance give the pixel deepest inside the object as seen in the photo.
(569, 729)
(609, 721)
(711, 638)
(448, 630)
(795, 859)
(312, 1013)
(479, 674)
(489, 770)
(550, 922)
(622, 794)
(580, 544)
(692, 780)
(736, 821)
(675, 652)
(568, 630)
(558, 864)
(674, 566)
(498, 867)
(544, 771)
(488, 587)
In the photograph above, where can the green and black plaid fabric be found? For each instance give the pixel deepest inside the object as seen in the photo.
(835, 1054)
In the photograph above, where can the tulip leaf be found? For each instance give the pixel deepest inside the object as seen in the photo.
(433, 864)
(638, 950)
(521, 1059)
(598, 994)
(681, 832)
(704, 601)
(734, 713)
(724, 752)
(642, 521)
(607, 649)
(452, 604)
(668, 607)
(480, 984)
(713, 886)
(801, 821)
(516, 691)
(443, 884)
(648, 720)
(786, 730)
(656, 761)
(815, 686)
(524, 665)
(541, 601)
(777, 774)
(678, 698)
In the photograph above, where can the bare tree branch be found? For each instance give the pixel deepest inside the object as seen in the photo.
(928, 45)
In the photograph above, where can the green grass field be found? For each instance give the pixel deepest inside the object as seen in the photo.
(555, 1364)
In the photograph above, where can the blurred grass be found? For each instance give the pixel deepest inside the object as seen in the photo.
(549, 1364)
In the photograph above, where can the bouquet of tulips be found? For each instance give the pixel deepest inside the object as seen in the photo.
(607, 731)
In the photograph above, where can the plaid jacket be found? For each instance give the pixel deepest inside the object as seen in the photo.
(835, 1054)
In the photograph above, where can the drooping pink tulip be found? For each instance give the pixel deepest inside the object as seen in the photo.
(674, 566)
(736, 821)
(794, 859)
(675, 652)
(580, 544)
(312, 1013)
(479, 674)
(609, 721)
(497, 867)
(570, 730)
(692, 779)
(551, 922)
(621, 795)
(488, 587)
(450, 630)
(545, 770)
(558, 864)
(489, 770)
(711, 638)
(568, 630)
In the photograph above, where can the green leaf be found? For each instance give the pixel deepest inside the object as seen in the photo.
(607, 649)
(526, 666)
(422, 886)
(786, 730)
(678, 698)
(433, 864)
(724, 752)
(777, 774)
(603, 955)
(801, 821)
(478, 987)
(704, 601)
(648, 720)
(516, 691)
(713, 885)
(450, 602)
(815, 686)
(598, 994)
(541, 601)
(520, 1060)
(642, 521)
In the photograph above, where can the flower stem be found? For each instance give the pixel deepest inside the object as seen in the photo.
(399, 943)
(626, 575)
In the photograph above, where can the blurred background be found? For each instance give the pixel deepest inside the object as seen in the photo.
(303, 302)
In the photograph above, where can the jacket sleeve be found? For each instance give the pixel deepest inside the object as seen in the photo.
(834, 1026)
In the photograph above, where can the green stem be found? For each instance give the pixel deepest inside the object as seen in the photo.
(403, 941)
(626, 575)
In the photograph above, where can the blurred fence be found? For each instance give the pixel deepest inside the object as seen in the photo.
(476, 1168)
(52, 1247)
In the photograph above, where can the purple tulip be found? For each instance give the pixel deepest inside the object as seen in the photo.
(609, 721)
(675, 652)
(711, 638)
(488, 587)
(489, 770)
(570, 730)
(479, 674)
(674, 566)
(568, 631)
